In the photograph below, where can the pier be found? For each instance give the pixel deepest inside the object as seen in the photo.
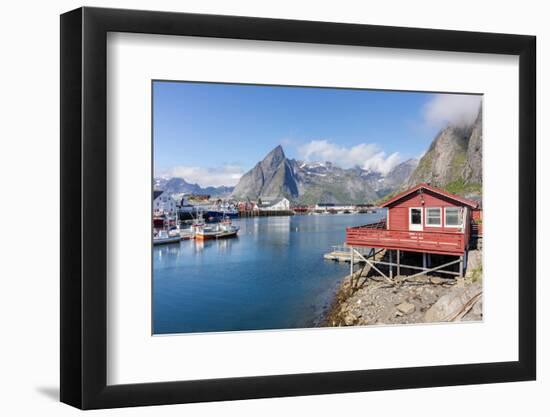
(264, 213)
(342, 253)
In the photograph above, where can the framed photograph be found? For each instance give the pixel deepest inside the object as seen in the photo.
(257, 208)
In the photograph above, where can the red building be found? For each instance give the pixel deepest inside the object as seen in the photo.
(422, 219)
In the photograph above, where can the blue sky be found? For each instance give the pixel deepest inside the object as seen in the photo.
(213, 133)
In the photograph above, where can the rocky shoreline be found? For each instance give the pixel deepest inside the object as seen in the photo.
(369, 299)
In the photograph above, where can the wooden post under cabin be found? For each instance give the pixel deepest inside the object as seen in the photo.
(398, 263)
(391, 269)
(461, 266)
(424, 260)
(351, 262)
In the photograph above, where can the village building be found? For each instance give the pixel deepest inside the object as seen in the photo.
(163, 203)
(332, 207)
(423, 219)
(273, 204)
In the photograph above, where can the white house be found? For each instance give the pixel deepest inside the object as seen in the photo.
(334, 207)
(274, 204)
(163, 203)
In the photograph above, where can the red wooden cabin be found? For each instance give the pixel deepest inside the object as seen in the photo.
(422, 219)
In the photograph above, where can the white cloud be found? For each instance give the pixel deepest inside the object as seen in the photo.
(457, 109)
(227, 175)
(364, 155)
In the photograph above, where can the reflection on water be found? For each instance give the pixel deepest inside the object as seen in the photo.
(272, 276)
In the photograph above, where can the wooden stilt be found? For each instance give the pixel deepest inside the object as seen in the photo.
(372, 263)
(424, 260)
(391, 269)
(351, 261)
(398, 262)
(461, 266)
(437, 268)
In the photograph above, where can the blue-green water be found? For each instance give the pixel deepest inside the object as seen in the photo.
(273, 276)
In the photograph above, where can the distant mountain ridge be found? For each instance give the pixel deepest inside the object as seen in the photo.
(316, 182)
(453, 162)
(175, 185)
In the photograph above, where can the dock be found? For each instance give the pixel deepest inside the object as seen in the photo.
(342, 253)
(264, 213)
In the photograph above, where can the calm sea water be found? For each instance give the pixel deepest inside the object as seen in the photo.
(273, 276)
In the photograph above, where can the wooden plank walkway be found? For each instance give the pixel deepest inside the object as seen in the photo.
(342, 253)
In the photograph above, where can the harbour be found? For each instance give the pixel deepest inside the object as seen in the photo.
(272, 276)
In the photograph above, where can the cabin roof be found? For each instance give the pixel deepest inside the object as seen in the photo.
(426, 186)
(272, 202)
(156, 194)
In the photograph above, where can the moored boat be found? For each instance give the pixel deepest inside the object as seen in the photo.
(163, 237)
(186, 234)
(227, 229)
(205, 232)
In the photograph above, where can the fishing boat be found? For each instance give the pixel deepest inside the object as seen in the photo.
(203, 231)
(227, 229)
(186, 234)
(163, 237)
(220, 212)
(206, 232)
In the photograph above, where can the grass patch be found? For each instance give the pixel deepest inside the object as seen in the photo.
(461, 187)
(477, 274)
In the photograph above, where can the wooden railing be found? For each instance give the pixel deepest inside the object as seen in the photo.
(380, 224)
(477, 229)
(449, 243)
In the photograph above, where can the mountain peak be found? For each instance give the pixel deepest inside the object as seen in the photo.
(274, 158)
(277, 152)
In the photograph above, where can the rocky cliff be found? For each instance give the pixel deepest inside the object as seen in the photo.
(473, 170)
(273, 176)
(453, 160)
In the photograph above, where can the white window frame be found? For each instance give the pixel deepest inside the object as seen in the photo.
(460, 218)
(420, 227)
(440, 217)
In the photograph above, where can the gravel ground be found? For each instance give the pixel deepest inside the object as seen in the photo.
(373, 301)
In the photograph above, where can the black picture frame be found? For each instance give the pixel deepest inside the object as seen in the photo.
(84, 207)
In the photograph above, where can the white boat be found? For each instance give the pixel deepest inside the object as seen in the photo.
(227, 229)
(206, 231)
(186, 234)
(203, 231)
(163, 237)
(183, 233)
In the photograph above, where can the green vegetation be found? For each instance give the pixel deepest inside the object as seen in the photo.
(326, 193)
(425, 164)
(477, 274)
(457, 164)
(460, 187)
(387, 197)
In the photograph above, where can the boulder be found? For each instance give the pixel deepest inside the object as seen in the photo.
(406, 308)
(350, 319)
(455, 304)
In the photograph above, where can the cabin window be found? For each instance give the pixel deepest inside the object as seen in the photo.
(433, 216)
(416, 216)
(453, 216)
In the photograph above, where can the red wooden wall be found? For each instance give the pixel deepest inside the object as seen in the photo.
(399, 212)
